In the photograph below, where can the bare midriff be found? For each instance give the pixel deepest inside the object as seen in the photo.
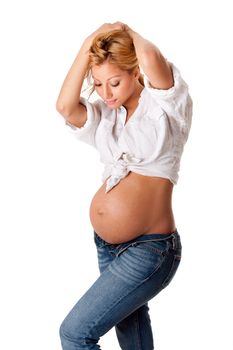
(138, 205)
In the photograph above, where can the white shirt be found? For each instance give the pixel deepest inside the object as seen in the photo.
(150, 143)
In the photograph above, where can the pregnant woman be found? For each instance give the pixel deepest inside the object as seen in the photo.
(139, 124)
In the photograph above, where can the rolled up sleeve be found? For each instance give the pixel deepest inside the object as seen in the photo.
(87, 132)
(176, 101)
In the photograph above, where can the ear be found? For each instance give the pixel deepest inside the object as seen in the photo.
(137, 72)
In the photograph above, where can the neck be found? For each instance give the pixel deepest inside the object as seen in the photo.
(132, 103)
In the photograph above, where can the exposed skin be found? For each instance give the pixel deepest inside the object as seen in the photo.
(117, 87)
(138, 204)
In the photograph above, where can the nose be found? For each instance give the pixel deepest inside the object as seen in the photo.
(107, 93)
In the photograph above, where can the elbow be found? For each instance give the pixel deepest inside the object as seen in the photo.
(159, 71)
(60, 107)
(63, 109)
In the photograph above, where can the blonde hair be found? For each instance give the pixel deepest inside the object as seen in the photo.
(117, 48)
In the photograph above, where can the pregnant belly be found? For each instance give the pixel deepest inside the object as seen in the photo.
(137, 205)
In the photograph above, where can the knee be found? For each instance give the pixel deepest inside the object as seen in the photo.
(75, 333)
(69, 332)
(64, 331)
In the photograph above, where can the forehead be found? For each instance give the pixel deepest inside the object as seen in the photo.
(106, 71)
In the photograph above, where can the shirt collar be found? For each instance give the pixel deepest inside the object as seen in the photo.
(122, 113)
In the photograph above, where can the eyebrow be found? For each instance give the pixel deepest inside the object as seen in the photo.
(114, 76)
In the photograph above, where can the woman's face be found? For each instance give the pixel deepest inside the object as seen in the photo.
(114, 85)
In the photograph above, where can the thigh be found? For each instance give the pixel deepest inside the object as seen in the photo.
(99, 309)
(128, 282)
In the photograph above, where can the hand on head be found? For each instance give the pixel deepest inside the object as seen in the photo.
(108, 27)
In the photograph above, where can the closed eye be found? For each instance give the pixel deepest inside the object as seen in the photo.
(113, 85)
(116, 84)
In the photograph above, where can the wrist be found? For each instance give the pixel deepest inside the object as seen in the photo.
(86, 45)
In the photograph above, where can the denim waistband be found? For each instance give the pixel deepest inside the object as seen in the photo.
(156, 236)
(147, 237)
(172, 240)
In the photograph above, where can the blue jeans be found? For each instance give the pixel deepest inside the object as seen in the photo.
(131, 274)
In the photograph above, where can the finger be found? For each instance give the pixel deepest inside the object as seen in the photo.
(119, 25)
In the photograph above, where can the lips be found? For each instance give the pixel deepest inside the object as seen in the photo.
(110, 102)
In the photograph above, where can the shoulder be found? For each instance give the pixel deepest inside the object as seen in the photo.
(175, 101)
(150, 106)
(179, 87)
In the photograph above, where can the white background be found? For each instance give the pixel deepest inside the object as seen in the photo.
(47, 256)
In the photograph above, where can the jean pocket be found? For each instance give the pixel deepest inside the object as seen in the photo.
(136, 262)
(152, 247)
(156, 247)
(173, 269)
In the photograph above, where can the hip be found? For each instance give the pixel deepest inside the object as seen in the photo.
(147, 256)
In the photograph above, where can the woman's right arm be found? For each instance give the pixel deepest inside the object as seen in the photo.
(68, 102)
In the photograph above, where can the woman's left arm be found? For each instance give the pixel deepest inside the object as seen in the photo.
(154, 65)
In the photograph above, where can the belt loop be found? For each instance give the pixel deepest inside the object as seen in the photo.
(173, 241)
